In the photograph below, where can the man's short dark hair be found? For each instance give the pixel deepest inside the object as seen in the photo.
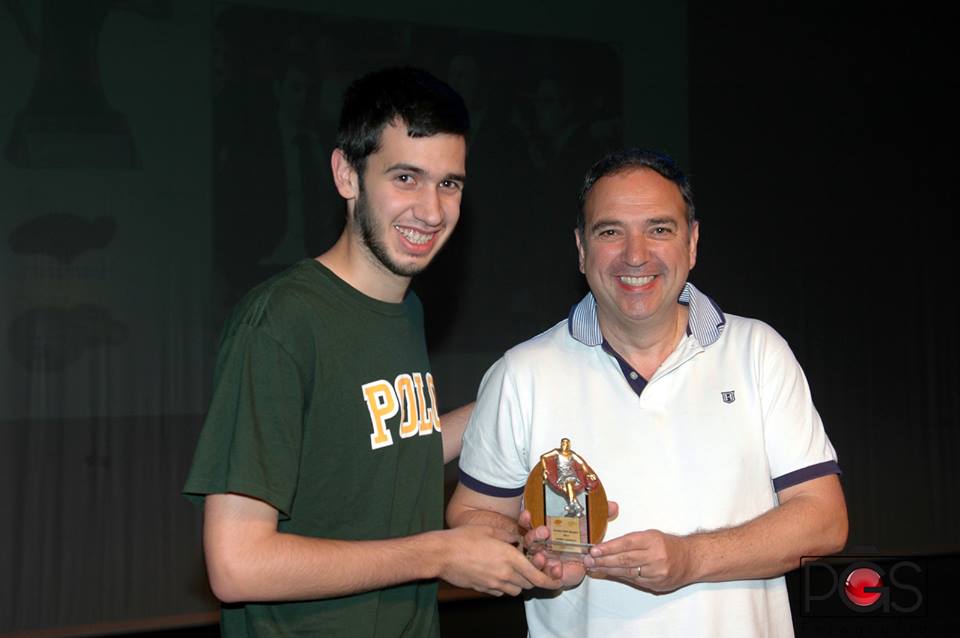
(425, 104)
(636, 158)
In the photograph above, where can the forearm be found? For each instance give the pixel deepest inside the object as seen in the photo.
(769, 545)
(467, 507)
(457, 517)
(248, 559)
(286, 567)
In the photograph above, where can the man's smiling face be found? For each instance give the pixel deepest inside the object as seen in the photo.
(637, 247)
(409, 199)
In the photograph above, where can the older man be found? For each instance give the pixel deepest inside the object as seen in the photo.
(700, 425)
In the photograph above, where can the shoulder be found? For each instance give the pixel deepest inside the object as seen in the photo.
(549, 344)
(746, 339)
(280, 306)
(526, 358)
(543, 357)
(746, 330)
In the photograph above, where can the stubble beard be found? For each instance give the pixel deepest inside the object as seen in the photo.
(370, 235)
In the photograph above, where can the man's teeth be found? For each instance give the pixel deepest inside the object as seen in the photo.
(636, 281)
(413, 236)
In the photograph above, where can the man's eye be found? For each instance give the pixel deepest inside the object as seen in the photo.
(450, 184)
(662, 230)
(405, 179)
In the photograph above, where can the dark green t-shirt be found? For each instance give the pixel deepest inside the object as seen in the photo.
(324, 407)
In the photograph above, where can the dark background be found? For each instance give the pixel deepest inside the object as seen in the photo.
(820, 142)
(823, 146)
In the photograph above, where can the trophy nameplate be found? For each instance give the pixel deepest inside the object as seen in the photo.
(564, 494)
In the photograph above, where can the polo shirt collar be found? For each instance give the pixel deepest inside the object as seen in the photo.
(706, 320)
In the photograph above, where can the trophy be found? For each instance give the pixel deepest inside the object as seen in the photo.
(563, 493)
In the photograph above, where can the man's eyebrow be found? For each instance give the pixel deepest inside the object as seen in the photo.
(605, 223)
(662, 221)
(411, 168)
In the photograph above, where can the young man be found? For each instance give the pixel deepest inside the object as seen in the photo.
(321, 459)
(699, 424)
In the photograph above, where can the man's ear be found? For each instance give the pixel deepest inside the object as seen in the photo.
(580, 248)
(345, 176)
(694, 240)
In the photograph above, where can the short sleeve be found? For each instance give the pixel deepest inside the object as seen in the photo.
(493, 459)
(250, 442)
(798, 448)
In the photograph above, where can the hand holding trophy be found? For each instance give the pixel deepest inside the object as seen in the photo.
(564, 494)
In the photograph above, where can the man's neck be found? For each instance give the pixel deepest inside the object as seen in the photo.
(646, 344)
(358, 267)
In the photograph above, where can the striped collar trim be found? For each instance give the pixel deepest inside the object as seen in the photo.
(706, 320)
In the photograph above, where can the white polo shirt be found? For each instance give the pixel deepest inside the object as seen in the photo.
(725, 422)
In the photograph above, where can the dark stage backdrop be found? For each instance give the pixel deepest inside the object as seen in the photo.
(824, 151)
(158, 157)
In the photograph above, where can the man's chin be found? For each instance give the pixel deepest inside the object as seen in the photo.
(408, 267)
(409, 264)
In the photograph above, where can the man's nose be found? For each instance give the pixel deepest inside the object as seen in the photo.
(635, 249)
(429, 209)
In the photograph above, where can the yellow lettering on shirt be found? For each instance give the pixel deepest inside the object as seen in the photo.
(409, 416)
(382, 404)
(432, 412)
(426, 424)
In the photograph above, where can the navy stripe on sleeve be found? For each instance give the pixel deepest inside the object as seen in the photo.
(805, 474)
(489, 490)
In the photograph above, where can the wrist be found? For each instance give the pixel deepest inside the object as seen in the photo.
(434, 552)
(697, 557)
